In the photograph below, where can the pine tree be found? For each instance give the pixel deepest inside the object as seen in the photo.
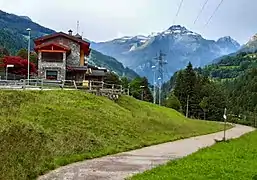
(185, 88)
(139, 88)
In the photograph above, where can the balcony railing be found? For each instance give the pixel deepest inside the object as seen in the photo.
(52, 60)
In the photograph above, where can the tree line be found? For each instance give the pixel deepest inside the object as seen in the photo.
(139, 87)
(195, 95)
(206, 97)
(188, 92)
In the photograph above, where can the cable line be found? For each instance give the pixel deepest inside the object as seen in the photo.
(200, 12)
(217, 8)
(179, 8)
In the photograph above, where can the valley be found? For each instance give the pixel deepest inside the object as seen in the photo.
(170, 94)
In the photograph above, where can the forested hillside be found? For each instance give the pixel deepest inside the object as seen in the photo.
(19, 25)
(11, 41)
(230, 66)
(98, 59)
(230, 83)
(242, 97)
(205, 98)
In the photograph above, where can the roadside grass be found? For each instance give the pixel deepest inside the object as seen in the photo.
(42, 130)
(235, 159)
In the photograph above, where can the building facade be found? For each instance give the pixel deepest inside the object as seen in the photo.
(63, 56)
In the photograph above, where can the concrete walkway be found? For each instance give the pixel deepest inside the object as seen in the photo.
(120, 166)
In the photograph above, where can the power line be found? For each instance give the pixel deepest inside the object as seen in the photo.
(160, 65)
(217, 8)
(179, 8)
(200, 12)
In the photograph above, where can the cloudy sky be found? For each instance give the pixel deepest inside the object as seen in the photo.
(102, 20)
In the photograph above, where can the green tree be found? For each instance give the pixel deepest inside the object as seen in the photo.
(4, 52)
(23, 53)
(112, 78)
(139, 88)
(204, 105)
(125, 82)
(172, 102)
(202, 94)
(185, 87)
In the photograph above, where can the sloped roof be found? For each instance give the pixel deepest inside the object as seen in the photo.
(84, 44)
(73, 38)
(52, 45)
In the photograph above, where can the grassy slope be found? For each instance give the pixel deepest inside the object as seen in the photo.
(236, 159)
(43, 130)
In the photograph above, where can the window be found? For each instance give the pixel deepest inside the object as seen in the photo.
(52, 57)
(51, 75)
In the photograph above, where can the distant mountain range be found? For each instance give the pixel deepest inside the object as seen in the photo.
(249, 47)
(13, 36)
(235, 64)
(178, 43)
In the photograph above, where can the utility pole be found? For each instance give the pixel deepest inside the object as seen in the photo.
(28, 53)
(160, 65)
(187, 106)
(154, 85)
(255, 121)
(160, 91)
(142, 93)
(225, 123)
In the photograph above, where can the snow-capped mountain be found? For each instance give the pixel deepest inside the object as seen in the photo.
(178, 43)
(250, 46)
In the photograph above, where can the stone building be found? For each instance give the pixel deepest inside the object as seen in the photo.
(64, 56)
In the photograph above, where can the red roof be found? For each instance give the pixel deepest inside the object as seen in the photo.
(52, 46)
(73, 38)
(84, 44)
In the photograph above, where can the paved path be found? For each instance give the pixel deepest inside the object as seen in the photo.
(120, 166)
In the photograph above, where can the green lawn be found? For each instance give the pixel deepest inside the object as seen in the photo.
(42, 130)
(236, 159)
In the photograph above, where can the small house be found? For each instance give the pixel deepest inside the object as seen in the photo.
(64, 56)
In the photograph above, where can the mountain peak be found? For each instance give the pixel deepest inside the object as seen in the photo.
(177, 27)
(26, 17)
(253, 38)
(228, 39)
(225, 38)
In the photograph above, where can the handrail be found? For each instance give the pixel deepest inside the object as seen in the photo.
(44, 83)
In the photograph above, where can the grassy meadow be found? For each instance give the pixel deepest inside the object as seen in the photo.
(42, 130)
(232, 160)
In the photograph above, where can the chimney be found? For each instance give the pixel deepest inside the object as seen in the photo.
(70, 32)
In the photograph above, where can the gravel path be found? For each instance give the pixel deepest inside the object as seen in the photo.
(120, 166)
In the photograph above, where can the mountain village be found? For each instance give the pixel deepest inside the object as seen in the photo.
(168, 105)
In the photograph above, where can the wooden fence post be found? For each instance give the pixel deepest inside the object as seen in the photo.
(102, 85)
(121, 90)
(42, 84)
(75, 84)
(24, 84)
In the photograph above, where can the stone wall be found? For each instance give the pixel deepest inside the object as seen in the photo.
(59, 67)
(73, 59)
